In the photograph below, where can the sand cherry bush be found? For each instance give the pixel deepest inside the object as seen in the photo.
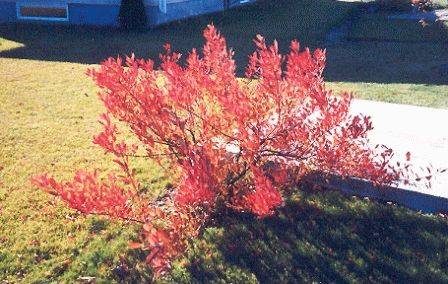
(227, 143)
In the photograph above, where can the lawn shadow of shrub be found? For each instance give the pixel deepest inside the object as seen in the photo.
(321, 237)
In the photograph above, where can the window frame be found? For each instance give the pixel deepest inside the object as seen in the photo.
(20, 5)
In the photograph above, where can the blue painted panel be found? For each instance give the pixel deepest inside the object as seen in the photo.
(107, 15)
(98, 15)
(176, 11)
(8, 12)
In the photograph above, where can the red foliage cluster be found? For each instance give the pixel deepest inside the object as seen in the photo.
(232, 143)
(422, 5)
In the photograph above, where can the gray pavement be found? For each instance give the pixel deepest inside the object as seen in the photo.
(419, 130)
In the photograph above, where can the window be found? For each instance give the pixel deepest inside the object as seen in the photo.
(42, 12)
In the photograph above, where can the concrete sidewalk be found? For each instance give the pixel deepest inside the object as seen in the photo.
(419, 130)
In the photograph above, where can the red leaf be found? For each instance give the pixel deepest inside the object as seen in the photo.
(134, 245)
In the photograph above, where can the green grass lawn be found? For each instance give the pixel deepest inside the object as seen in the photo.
(307, 20)
(48, 113)
(398, 61)
(377, 27)
(321, 238)
(435, 96)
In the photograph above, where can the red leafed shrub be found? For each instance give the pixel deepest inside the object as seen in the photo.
(228, 143)
(422, 5)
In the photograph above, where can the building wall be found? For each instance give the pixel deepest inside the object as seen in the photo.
(92, 14)
(105, 12)
(7, 11)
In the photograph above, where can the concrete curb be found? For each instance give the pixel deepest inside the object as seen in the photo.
(410, 199)
(436, 15)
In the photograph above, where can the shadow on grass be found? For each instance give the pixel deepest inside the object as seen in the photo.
(306, 20)
(383, 50)
(412, 61)
(323, 237)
